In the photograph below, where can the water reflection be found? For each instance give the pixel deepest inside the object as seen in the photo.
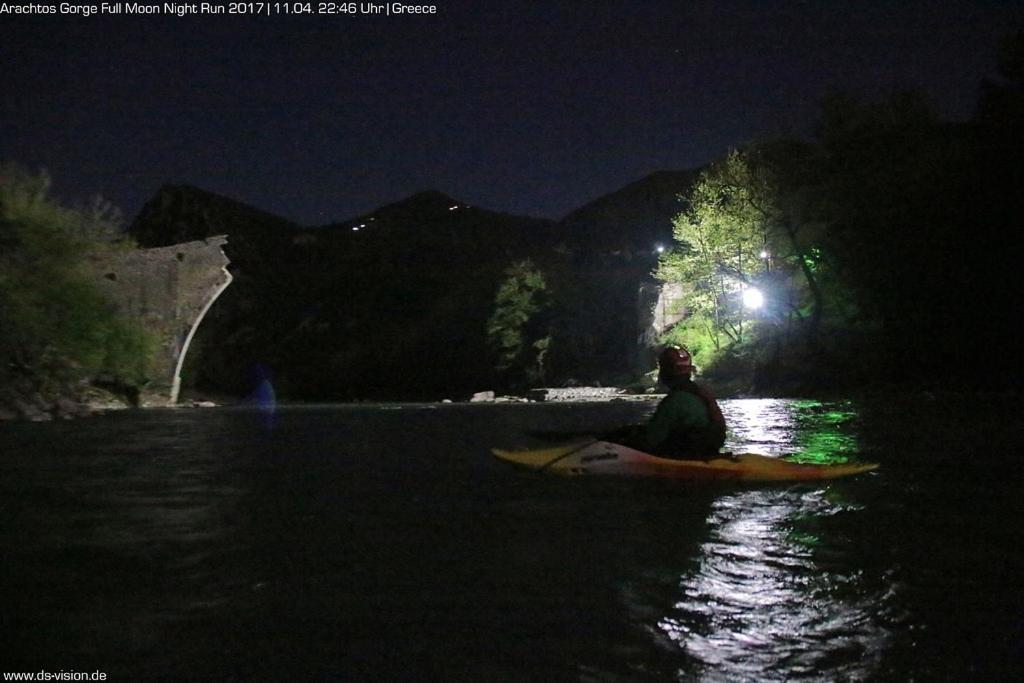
(263, 397)
(770, 599)
(773, 594)
(371, 543)
(803, 430)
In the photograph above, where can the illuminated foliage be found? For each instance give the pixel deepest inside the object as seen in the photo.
(517, 329)
(54, 325)
(858, 229)
(743, 228)
(720, 236)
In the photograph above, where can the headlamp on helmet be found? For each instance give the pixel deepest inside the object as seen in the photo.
(675, 361)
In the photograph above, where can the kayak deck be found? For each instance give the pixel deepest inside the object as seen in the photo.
(605, 458)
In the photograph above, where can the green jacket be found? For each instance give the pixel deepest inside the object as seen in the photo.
(686, 424)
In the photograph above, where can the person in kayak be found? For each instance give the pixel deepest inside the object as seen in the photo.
(687, 424)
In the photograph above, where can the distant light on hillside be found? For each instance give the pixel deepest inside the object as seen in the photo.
(660, 249)
(752, 298)
(355, 228)
(452, 208)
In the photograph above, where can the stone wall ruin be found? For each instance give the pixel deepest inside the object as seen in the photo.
(167, 290)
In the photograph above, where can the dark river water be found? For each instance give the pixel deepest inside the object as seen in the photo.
(385, 543)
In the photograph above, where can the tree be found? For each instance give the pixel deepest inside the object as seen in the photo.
(518, 328)
(720, 237)
(744, 227)
(889, 229)
(888, 186)
(55, 327)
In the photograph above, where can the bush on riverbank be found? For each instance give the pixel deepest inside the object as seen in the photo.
(57, 332)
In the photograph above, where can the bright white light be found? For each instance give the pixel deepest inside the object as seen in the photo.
(764, 254)
(752, 298)
(660, 249)
(355, 228)
(452, 208)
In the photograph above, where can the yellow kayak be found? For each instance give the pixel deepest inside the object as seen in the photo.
(605, 458)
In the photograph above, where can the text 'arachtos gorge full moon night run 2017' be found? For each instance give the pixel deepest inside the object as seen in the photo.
(237, 8)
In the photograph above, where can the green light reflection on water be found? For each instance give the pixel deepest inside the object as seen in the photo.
(824, 438)
(803, 538)
(801, 431)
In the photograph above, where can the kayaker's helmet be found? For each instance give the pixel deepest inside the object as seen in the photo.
(675, 362)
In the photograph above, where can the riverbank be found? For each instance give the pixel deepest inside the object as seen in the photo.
(25, 401)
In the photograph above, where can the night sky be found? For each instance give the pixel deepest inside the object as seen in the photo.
(525, 107)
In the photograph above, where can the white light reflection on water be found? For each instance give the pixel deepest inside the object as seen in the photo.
(765, 604)
(764, 426)
(773, 595)
(812, 431)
